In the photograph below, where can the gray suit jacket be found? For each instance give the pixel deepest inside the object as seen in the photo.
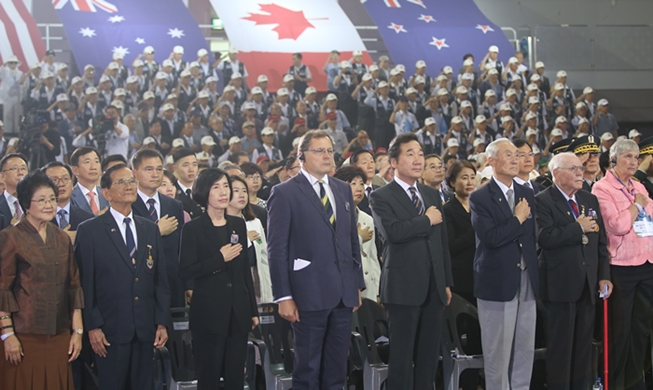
(78, 199)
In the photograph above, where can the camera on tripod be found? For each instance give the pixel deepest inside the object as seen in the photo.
(101, 126)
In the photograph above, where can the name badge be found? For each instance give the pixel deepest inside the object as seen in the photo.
(234, 238)
(643, 226)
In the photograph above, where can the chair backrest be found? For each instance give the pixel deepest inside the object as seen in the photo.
(365, 318)
(462, 326)
(180, 346)
(277, 334)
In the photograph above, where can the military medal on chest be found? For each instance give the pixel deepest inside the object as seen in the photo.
(150, 260)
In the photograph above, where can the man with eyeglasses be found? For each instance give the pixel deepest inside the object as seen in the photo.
(433, 176)
(122, 266)
(167, 213)
(576, 265)
(68, 215)
(316, 282)
(587, 150)
(526, 166)
(12, 169)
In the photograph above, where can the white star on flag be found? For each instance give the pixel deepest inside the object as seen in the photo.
(140, 41)
(123, 51)
(175, 33)
(439, 43)
(397, 27)
(116, 19)
(87, 32)
(426, 18)
(483, 28)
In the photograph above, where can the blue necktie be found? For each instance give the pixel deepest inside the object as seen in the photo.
(152, 210)
(129, 241)
(419, 206)
(63, 221)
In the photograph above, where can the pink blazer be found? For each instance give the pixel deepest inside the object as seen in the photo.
(626, 248)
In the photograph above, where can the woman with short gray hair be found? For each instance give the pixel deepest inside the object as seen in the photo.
(627, 211)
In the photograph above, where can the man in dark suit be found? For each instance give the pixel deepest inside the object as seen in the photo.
(123, 270)
(68, 215)
(167, 213)
(12, 169)
(186, 170)
(416, 276)
(505, 270)
(526, 166)
(315, 264)
(87, 195)
(574, 265)
(433, 176)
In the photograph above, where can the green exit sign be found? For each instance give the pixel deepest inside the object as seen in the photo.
(216, 24)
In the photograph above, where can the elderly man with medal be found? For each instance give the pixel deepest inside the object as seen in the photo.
(574, 271)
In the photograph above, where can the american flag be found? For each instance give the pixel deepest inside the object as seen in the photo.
(439, 32)
(19, 35)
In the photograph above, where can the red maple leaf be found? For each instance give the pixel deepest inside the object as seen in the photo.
(290, 24)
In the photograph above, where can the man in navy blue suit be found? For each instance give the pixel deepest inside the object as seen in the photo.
(68, 215)
(12, 169)
(167, 213)
(127, 299)
(505, 270)
(315, 264)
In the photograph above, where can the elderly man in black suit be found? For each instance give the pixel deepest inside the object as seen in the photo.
(416, 276)
(127, 300)
(574, 268)
(167, 213)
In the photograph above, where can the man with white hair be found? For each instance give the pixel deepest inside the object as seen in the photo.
(570, 227)
(506, 279)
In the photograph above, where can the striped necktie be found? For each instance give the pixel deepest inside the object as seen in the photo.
(129, 241)
(152, 210)
(327, 204)
(419, 206)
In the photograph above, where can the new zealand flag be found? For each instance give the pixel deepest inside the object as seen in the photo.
(439, 32)
(97, 29)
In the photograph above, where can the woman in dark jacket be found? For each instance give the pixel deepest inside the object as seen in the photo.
(461, 177)
(223, 308)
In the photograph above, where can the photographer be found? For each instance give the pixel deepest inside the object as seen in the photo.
(38, 139)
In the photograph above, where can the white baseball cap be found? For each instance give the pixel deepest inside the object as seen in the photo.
(47, 74)
(429, 121)
(75, 80)
(634, 133)
(287, 78)
(233, 50)
(233, 140)
(558, 87)
(468, 62)
(539, 64)
(331, 97)
(560, 119)
(480, 118)
(201, 53)
(447, 70)
(236, 75)
(367, 77)
(531, 115)
(166, 63)
(178, 143)
(467, 76)
(588, 90)
(373, 68)
(382, 84)
(228, 88)
(357, 53)
(119, 92)
(62, 97)
(461, 89)
(419, 80)
(607, 136)
(310, 90)
(452, 142)
(185, 73)
(113, 66)
(193, 64)
(535, 77)
(493, 49)
(148, 50)
(493, 71)
(161, 76)
(148, 95)
(267, 131)
(420, 64)
(137, 63)
(580, 105)
(456, 120)
(561, 73)
(533, 100)
(91, 90)
(477, 142)
(410, 90)
(117, 104)
(178, 50)
(256, 90)
(118, 56)
(603, 102)
(211, 79)
(465, 104)
(505, 107)
(532, 87)
(203, 94)
(506, 118)
(345, 64)
(282, 92)
(513, 60)
(167, 107)
(207, 140)
(442, 92)
(490, 92)
(132, 79)
(262, 78)
(556, 133)
(530, 132)
(148, 141)
(510, 92)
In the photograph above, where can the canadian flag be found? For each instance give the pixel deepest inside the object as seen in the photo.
(267, 32)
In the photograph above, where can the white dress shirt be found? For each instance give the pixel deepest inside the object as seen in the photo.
(85, 191)
(120, 221)
(405, 186)
(66, 208)
(327, 188)
(157, 203)
(10, 201)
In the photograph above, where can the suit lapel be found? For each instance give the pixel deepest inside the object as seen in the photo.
(116, 237)
(139, 207)
(309, 192)
(402, 198)
(79, 199)
(4, 207)
(103, 202)
(428, 202)
(143, 249)
(499, 198)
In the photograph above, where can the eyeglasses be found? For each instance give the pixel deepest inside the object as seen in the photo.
(253, 177)
(575, 168)
(330, 152)
(16, 169)
(42, 201)
(60, 180)
(436, 167)
(126, 182)
(521, 155)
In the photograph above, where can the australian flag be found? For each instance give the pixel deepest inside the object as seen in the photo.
(439, 32)
(97, 29)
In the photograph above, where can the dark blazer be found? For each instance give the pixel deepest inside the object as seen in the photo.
(190, 206)
(412, 246)
(317, 265)
(462, 246)
(220, 286)
(122, 301)
(537, 187)
(3, 222)
(5, 211)
(501, 241)
(642, 177)
(172, 208)
(78, 199)
(565, 263)
(76, 217)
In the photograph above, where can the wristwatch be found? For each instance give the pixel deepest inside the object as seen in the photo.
(78, 331)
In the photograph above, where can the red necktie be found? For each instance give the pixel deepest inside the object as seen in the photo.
(574, 207)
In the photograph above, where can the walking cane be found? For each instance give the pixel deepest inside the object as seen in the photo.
(605, 344)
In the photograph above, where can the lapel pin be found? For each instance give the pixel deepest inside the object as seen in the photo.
(113, 230)
(567, 212)
(347, 206)
(150, 260)
(234, 238)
